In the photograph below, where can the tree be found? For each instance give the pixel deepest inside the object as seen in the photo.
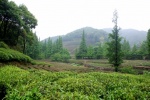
(82, 52)
(16, 24)
(148, 42)
(33, 50)
(114, 45)
(90, 52)
(54, 50)
(98, 51)
(125, 48)
(134, 50)
(143, 48)
(10, 22)
(49, 48)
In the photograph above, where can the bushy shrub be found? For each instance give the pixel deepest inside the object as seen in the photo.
(43, 85)
(3, 45)
(7, 55)
(128, 70)
(56, 57)
(62, 56)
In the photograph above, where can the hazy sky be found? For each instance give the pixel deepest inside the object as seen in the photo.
(59, 17)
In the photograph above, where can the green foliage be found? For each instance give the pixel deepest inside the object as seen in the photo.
(125, 48)
(82, 52)
(33, 50)
(16, 24)
(56, 57)
(36, 84)
(90, 52)
(128, 70)
(7, 55)
(54, 50)
(143, 48)
(137, 52)
(3, 45)
(148, 42)
(49, 48)
(114, 46)
(62, 56)
(99, 51)
(93, 52)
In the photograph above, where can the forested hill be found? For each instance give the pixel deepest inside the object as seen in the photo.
(72, 40)
(93, 36)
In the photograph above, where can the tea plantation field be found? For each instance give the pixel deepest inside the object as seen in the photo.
(34, 84)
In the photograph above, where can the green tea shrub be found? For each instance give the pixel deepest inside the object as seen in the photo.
(128, 70)
(12, 55)
(35, 84)
(3, 45)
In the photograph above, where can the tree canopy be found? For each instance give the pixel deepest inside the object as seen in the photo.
(148, 42)
(82, 52)
(16, 22)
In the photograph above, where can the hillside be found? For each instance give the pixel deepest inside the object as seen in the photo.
(93, 36)
(132, 35)
(71, 41)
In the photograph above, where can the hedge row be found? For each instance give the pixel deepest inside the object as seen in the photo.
(7, 55)
(42, 85)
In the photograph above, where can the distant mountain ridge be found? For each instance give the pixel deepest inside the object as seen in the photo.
(93, 36)
(132, 35)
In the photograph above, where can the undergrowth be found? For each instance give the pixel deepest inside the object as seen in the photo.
(7, 55)
(39, 84)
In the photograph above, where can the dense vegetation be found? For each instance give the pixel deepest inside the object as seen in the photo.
(35, 84)
(16, 24)
(8, 55)
(18, 43)
(54, 50)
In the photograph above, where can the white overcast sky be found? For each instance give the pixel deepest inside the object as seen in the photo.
(59, 17)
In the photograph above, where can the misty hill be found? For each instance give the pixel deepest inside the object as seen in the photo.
(93, 36)
(132, 35)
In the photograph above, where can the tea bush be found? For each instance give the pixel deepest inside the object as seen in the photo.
(3, 45)
(7, 55)
(35, 84)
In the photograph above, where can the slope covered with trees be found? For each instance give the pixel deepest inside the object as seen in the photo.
(16, 24)
(94, 36)
(53, 50)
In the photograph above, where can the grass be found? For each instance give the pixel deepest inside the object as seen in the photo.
(105, 63)
(136, 63)
(69, 67)
(39, 84)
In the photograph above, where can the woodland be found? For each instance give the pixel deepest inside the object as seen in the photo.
(82, 65)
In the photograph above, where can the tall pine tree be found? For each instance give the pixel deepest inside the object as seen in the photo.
(83, 48)
(126, 48)
(148, 42)
(114, 45)
(49, 48)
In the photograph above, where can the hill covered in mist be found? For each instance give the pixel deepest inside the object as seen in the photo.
(93, 36)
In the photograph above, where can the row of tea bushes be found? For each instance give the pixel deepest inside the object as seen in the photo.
(39, 84)
(7, 55)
